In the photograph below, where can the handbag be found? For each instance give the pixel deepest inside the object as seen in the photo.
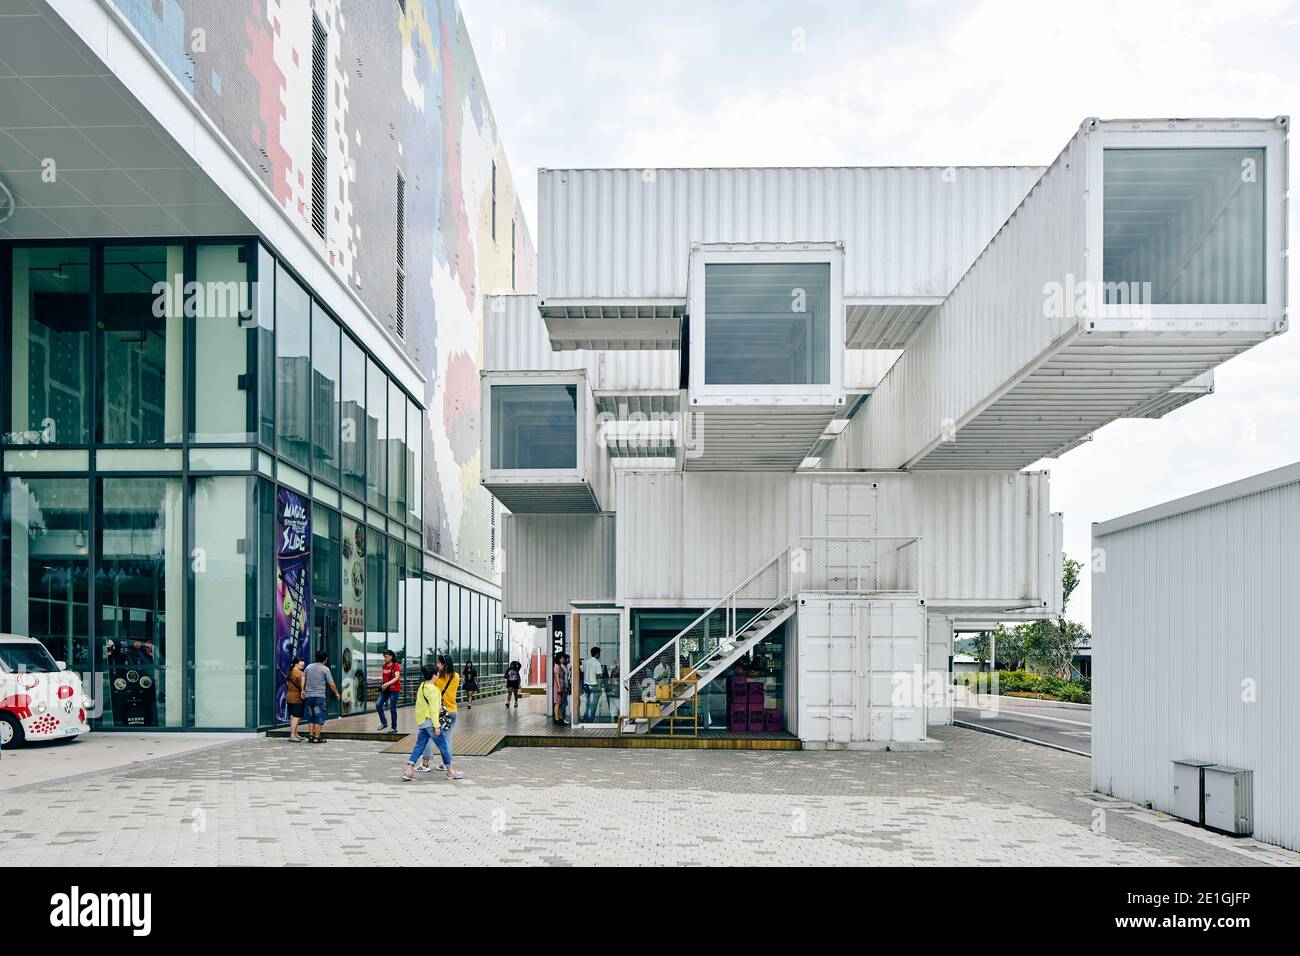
(444, 715)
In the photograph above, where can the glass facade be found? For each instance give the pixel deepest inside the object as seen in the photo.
(151, 394)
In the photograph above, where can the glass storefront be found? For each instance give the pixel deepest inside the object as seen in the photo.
(151, 394)
(764, 665)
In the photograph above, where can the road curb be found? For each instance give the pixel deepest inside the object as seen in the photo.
(1026, 740)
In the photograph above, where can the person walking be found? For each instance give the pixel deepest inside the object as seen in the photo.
(390, 689)
(559, 690)
(470, 675)
(447, 681)
(316, 680)
(512, 683)
(593, 679)
(294, 699)
(428, 716)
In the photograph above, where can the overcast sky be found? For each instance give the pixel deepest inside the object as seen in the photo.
(712, 83)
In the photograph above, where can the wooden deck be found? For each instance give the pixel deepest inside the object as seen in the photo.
(489, 726)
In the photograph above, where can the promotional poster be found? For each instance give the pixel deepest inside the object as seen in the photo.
(293, 588)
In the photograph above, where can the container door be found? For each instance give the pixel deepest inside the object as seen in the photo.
(895, 671)
(843, 514)
(828, 671)
(938, 669)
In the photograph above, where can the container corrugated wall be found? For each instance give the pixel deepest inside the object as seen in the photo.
(624, 234)
(991, 326)
(689, 538)
(516, 341)
(553, 560)
(1190, 608)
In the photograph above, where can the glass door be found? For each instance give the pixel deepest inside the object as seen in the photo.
(596, 669)
(327, 634)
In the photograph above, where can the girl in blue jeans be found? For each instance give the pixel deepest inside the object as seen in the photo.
(430, 701)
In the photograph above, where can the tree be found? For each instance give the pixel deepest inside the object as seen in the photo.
(1052, 645)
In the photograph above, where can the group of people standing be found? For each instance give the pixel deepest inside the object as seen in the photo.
(306, 687)
(597, 683)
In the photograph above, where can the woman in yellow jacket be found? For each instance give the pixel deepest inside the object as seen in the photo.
(447, 682)
(428, 707)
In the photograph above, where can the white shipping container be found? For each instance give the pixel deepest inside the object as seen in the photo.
(861, 672)
(516, 340)
(1196, 646)
(988, 540)
(1030, 351)
(624, 234)
(555, 560)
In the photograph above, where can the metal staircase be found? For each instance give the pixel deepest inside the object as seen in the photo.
(706, 647)
(757, 607)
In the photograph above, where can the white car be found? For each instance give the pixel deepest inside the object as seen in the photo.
(40, 699)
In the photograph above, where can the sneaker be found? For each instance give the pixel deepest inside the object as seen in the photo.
(383, 728)
(407, 776)
(455, 775)
(297, 740)
(313, 740)
(423, 768)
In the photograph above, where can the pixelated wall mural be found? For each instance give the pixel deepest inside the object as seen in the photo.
(405, 95)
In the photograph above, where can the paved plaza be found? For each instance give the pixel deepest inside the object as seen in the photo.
(982, 800)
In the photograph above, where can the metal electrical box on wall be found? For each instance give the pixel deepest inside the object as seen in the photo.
(1229, 800)
(861, 677)
(1188, 788)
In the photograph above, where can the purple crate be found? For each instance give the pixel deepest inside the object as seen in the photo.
(756, 718)
(737, 682)
(739, 721)
(772, 721)
(756, 694)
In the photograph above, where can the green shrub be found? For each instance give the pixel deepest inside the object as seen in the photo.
(1025, 684)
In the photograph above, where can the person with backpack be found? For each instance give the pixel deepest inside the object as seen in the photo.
(512, 683)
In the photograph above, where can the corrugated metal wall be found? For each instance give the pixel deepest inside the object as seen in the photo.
(1187, 609)
(516, 340)
(689, 538)
(553, 560)
(625, 233)
(991, 326)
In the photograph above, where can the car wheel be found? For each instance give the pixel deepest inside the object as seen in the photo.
(11, 731)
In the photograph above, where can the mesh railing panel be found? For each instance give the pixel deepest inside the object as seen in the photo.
(857, 565)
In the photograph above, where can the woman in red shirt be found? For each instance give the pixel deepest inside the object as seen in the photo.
(390, 688)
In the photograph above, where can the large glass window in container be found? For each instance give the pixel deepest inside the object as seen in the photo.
(49, 353)
(767, 323)
(534, 427)
(415, 462)
(1183, 226)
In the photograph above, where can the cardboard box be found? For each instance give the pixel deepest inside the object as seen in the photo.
(663, 692)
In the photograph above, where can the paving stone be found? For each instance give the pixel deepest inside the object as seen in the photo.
(983, 800)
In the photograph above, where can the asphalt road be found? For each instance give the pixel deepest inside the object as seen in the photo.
(1065, 727)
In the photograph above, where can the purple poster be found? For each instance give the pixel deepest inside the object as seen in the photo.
(292, 589)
